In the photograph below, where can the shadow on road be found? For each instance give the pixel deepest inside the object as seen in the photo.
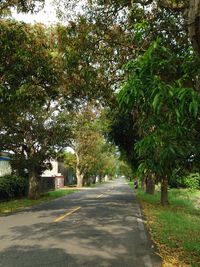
(29, 256)
(104, 233)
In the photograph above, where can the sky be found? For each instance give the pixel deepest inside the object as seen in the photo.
(46, 15)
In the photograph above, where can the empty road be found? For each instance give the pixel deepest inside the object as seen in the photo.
(97, 227)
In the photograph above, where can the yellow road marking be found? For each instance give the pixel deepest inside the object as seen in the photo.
(67, 214)
(100, 196)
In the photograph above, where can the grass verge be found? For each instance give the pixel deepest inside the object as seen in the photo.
(175, 228)
(13, 205)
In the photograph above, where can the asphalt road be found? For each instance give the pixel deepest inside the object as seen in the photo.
(98, 227)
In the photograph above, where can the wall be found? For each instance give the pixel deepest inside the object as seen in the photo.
(53, 172)
(5, 167)
(47, 184)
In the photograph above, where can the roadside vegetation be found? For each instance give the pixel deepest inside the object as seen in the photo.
(55, 94)
(119, 84)
(18, 204)
(13, 193)
(174, 228)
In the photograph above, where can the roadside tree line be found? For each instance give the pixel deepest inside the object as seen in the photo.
(155, 115)
(137, 59)
(47, 103)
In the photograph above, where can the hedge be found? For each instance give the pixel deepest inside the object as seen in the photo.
(12, 186)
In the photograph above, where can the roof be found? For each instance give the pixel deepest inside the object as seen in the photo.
(4, 158)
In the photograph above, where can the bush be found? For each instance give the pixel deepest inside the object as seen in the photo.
(192, 181)
(176, 182)
(185, 180)
(12, 186)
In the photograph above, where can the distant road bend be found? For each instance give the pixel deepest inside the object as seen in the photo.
(98, 227)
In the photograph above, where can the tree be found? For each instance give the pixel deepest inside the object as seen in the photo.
(103, 163)
(108, 161)
(93, 53)
(84, 141)
(145, 21)
(167, 110)
(125, 170)
(69, 159)
(92, 155)
(21, 5)
(124, 133)
(31, 119)
(194, 23)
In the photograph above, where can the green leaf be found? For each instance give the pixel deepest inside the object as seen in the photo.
(193, 107)
(178, 115)
(155, 103)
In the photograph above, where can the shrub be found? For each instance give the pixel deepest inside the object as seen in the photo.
(185, 180)
(12, 186)
(192, 181)
(177, 181)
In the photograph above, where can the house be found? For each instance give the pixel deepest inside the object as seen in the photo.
(59, 173)
(5, 167)
(57, 177)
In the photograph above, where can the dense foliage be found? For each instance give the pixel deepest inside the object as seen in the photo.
(21, 5)
(92, 157)
(30, 115)
(133, 56)
(13, 186)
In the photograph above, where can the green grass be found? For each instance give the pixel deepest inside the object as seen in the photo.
(13, 205)
(176, 226)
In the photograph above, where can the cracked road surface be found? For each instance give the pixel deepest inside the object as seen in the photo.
(97, 227)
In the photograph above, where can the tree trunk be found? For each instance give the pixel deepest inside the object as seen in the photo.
(34, 184)
(143, 183)
(150, 184)
(100, 178)
(194, 24)
(79, 177)
(164, 191)
(94, 179)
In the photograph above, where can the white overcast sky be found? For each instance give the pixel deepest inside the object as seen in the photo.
(46, 15)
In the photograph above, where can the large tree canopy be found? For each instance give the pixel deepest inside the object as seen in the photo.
(158, 44)
(141, 46)
(194, 24)
(167, 109)
(21, 5)
(30, 112)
